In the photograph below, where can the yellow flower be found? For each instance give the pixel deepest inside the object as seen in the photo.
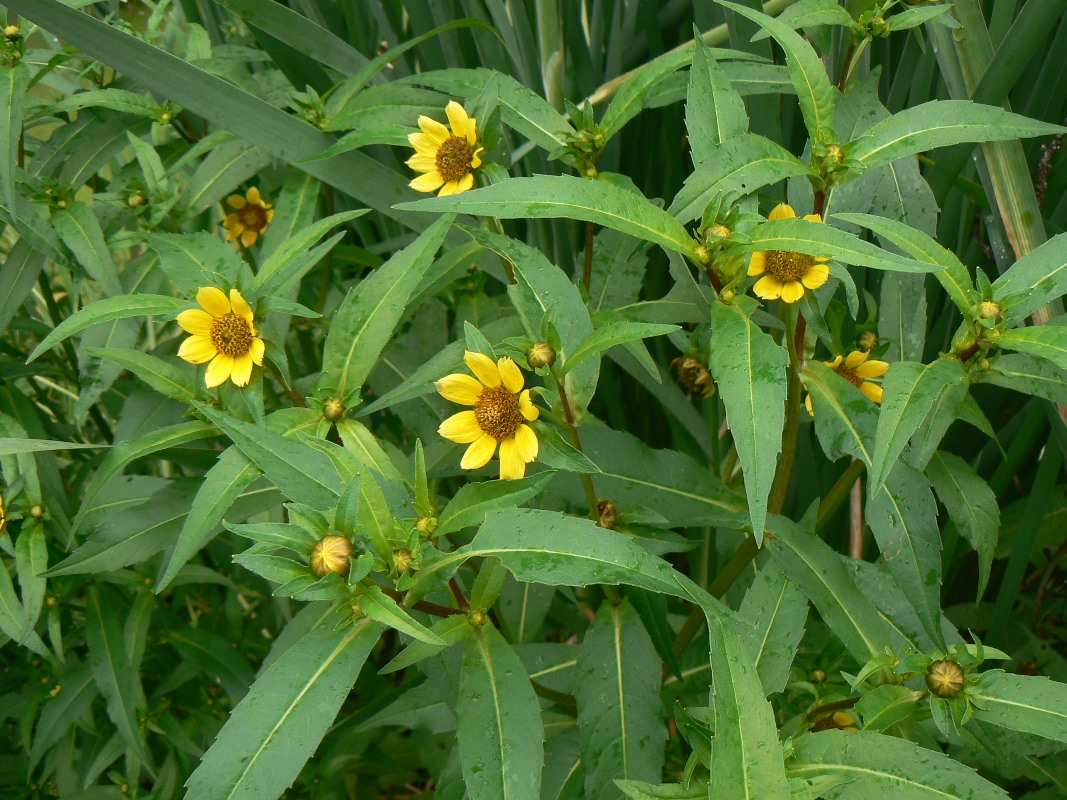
(224, 334)
(445, 159)
(855, 368)
(3, 517)
(500, 406)
(250, 218)
(785, 273)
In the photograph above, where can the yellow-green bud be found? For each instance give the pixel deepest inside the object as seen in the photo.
(727, 295)
(401, 560)
(476, 617)
(945, 678)
(989, 309)
(818, 675)
(164, 117)
(835, 153)
(984, 365)
(720, 230)
(590, 171)
(36, 512)
(11, 31)
(333, 409)
(702, 254)
(135, 200)
(426, 525)
(540, 354)
(867, 341)
(331, 554)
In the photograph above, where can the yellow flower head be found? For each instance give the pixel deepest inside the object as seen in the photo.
(500, 406)
(785, 273)
(855, 368)
(250, 217)
(224, 334)
(445, 158)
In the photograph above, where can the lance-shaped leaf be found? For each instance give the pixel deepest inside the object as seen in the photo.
(1026, 703)
(568, 197)
(366, 318)
(212, 655)
(810, 13)
(31, 561)
(13, 83)
(80, 231)
(817, 239)
(289, 262)
(193, 260)
(940, 123)
(12, 617)
(379, 606)
(876, 765)
(1047, 341)
(815, 93)
(910, 391)
(472, 502)
(449, 630)
(62, 712)
(714, 111)
(749, 369)
(776, 609)
(301, 472)
(1035, 280)
(612, 334)
(742, 164)
(113, 671)
(616, 686)
(277, 726)
(633, 94)
(1029, 375)
(903, 518)
(499, 728)
(845, 419)
(971, 505)
(819, 572)
(163, 376)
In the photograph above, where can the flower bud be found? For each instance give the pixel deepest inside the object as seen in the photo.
(608, 513)
(944, 678)
(540, 354)
(727, 295)
(333, 409)
(719, 231)
(702, 254)
(331, 554)
(36, 512)
(135, 200)
(164, 117)
(11, 31)
(818, 675)
(401, 560)
(989, 309)
(476, 617)
(590, 171)
(835, 153)
(426, 525)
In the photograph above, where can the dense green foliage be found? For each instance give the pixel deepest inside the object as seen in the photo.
(764, 339)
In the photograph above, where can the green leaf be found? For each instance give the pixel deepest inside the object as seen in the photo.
(632, 96)
(971, 505)
(639, 790)
(358, 439)
(1047, 341)
(819, 572)
(13, 83)
(610, 335)
(568, 197)
(777, 611)
(814, 90)
(13, 616)
(213, 655)
(616, 686)
(106, 310)
(1028, 374)
(499, 730)
(714, 111)
(367, 317)
(163, 376)
(112, 669)
(380, 607)
(450, 630)
(885, 766)
(10, 446)
(472, 502)
(955, 278)
(845, 419)
(811, 13)
(817, 239)
(886, 705)
(739, 165)
(1036, 279)
(301, 472)
(903, 517)
(80, 231)
(910, 392)
(194, 260)
(1026, 703)
(749, 369)
(940, 123)
(279, 724)
(31, 562)
(62, 712)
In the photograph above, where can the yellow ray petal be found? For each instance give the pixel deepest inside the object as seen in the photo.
(855, 358)
(248, 238)
(213, 300)
(511, 375)
(234, 231)
(195, 321)
(872, 390)
(526, 441)
(423, 144)
(242, 370)
(512, 466)
(807, 405)
(236, 201)
(479, 453)
(462, 428)
(218, 370)
(757, 264)
(782, 211)
(813, 218)
(256, 349)
(429, 182)
(483, 367)
(527, 408)
(872, 369)
(421, 163)
(816, 276)
(450, 187)
(253, 196)
(434, 130)
(768, 287)
(457, 118)
(459, 388)
(465, 183)
(792, 291)
(475, 161)
(197, 350)
(240, 305)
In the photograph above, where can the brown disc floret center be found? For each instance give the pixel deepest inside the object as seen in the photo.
(454, 158)
(785, 265)
(849, 375)
(231, 335)
(253, 216)
(497, 412)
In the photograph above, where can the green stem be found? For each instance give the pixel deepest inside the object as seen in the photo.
(572, 430)
(780, 487)
(835, 498)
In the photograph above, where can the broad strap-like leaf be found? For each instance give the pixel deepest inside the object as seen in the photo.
(632, 96)
(750, 371)
(568, 197)
(277, 726)
(80, 231)
(499, 728)
(616, 686)
(1035, 280)
(1025, 703)
(1047, 341)
(367, 317)
(283, 267)
(1029, 375)
(714, 111)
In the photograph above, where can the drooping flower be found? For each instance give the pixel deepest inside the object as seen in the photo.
(223, 333)
(250, 217)
(501, 406)
(856, 368)
(445, 157)
(787, 273)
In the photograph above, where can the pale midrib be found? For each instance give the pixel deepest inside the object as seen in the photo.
(622, 692)
(820, 769)
(483, 645)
